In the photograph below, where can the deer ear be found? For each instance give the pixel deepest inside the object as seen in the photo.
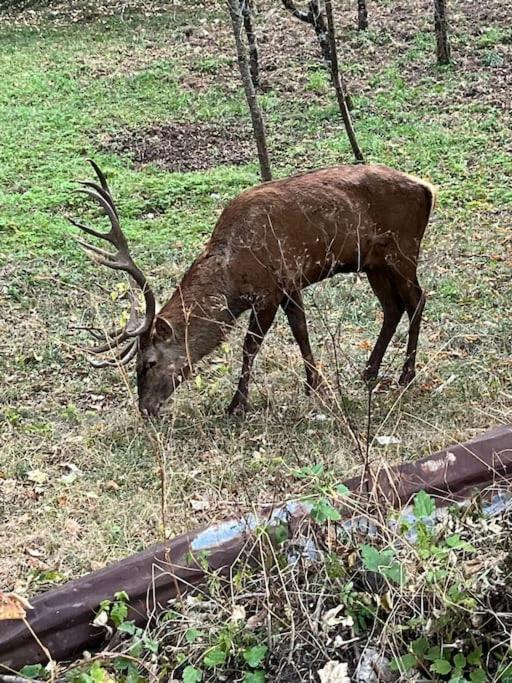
(163, 328)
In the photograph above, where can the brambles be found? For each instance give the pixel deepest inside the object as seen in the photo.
(423, 591)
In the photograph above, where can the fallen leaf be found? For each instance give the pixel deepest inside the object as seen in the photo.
(68, 478)
(256, 620)
(37, 476)
(330, 618)
(34, 552)
(238, 614)
(334, 672)
(387, 440)
(96, 566)
(13, 606)
(199, 504)
(72, 527)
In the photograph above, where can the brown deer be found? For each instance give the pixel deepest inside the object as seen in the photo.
(269, 243)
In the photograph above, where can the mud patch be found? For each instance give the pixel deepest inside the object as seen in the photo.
(185, 146)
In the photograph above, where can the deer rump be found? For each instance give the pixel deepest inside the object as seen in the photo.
(272, 241)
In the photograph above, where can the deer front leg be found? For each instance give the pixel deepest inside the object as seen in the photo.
(259, 324)
(293, 306)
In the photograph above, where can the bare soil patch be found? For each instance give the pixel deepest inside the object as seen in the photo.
(185, 146)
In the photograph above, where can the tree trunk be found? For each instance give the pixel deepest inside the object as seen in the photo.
(362, 15)
(338, 86)
(441, 28)
(245, 6)
(256, 117)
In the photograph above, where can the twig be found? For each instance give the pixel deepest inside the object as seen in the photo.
(45, 650)
(338, 86)
(250, 94)
(246, 7)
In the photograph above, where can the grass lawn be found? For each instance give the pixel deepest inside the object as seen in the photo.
(80, 480)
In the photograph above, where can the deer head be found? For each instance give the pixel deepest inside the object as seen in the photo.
(160, 347)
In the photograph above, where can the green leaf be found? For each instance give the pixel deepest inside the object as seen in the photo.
(118, 613)
(34, 671)
(475, 656)
(151, 645)
(121, 596)
(459, 661)
(191, 635)
(281, 534)
(254, 656)
(214, 657)
(433, 653)
(136, 649)
(374, 559)
(456, 543)
(382, 561)
(254, 677)
(477, 676)
(453, 541)
(394, 572)
(309, 471)
(419, 647)
(441, 666)
(127, 627)
(192, 675)
(323, 511)
(342, 490)
(424, 506)
(403, 663)
(132, 675)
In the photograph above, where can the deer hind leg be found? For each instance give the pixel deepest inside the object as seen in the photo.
(293, 306)
(393, 307)
(259, 324)
(414, 300)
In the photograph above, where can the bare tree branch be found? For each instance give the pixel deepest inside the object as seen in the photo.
(246, 7)
(250, 94)
(298, 14)
(315, 18)
(338, 86)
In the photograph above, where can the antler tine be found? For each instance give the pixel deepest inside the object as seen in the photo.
(107, 256)
(115, 235)
(100, 190)
(100, 175)
(113, 343)
(123, 358)
(86, 228)
(118, 336)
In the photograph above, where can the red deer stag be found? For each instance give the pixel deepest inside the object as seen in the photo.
(269, 243)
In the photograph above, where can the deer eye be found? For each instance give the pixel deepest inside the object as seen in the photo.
(150, 364)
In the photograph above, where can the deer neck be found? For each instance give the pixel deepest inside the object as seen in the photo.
(204, 307)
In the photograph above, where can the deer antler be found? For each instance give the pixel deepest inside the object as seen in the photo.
(120, 260)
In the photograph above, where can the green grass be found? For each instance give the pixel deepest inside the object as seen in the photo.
(65, 88)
